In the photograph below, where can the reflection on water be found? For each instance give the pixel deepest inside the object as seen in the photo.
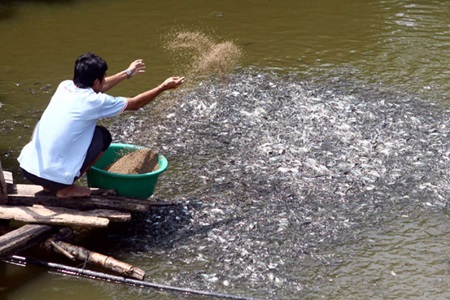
(414, 43)
(399, 46)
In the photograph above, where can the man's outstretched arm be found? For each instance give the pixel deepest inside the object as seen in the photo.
(146, 97)
(136, 67)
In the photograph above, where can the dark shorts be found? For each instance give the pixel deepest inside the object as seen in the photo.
(100, 142)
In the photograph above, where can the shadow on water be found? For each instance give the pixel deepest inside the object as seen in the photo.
(163, 227)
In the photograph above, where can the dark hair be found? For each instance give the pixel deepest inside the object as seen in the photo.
(88, 68)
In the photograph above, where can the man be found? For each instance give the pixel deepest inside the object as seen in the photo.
(66, 141)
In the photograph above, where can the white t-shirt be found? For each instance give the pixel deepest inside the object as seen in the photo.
(61, 138)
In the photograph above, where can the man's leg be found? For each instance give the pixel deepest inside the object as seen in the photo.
(100, 142)
(62, 190)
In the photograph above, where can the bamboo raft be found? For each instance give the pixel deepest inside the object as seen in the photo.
(48, 221)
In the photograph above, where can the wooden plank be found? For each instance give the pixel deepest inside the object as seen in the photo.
(23, 238)
(29, 195)
(52, 215)
(9, 181)
(3, 187)
(27, 189)
(112, 215)
(8, 177)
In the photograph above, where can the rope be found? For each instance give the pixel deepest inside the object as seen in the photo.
(86, 259)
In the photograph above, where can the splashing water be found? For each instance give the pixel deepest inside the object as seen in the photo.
(272, 179)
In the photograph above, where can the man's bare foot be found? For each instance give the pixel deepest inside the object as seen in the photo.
(46, 192)
(73, 191)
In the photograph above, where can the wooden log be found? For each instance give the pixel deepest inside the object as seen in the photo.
(23, 238)
(98, 259)
(57, 216)
(3, 187)
(28, 195)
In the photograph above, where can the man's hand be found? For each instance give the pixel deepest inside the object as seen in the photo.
(172, 83)
(145, 97)
(136, 67)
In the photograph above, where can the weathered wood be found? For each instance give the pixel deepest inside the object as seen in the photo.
(32, 189)
(53, 215)
(8, 177)
(9, 181)
(112, 215)
(62, 251)
(98, 259)
(3, 187)
(28, 195)
(23, 238)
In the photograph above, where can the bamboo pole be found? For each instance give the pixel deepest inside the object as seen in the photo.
(64, 269)
(98, 259)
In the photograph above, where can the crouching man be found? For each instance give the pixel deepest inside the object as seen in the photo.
(67, 141)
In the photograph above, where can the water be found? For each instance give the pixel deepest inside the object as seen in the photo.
(232, 232)
(387, 265)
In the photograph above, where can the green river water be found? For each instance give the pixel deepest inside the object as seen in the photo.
(392, 43)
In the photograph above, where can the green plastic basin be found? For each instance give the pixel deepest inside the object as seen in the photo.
(131, 185)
